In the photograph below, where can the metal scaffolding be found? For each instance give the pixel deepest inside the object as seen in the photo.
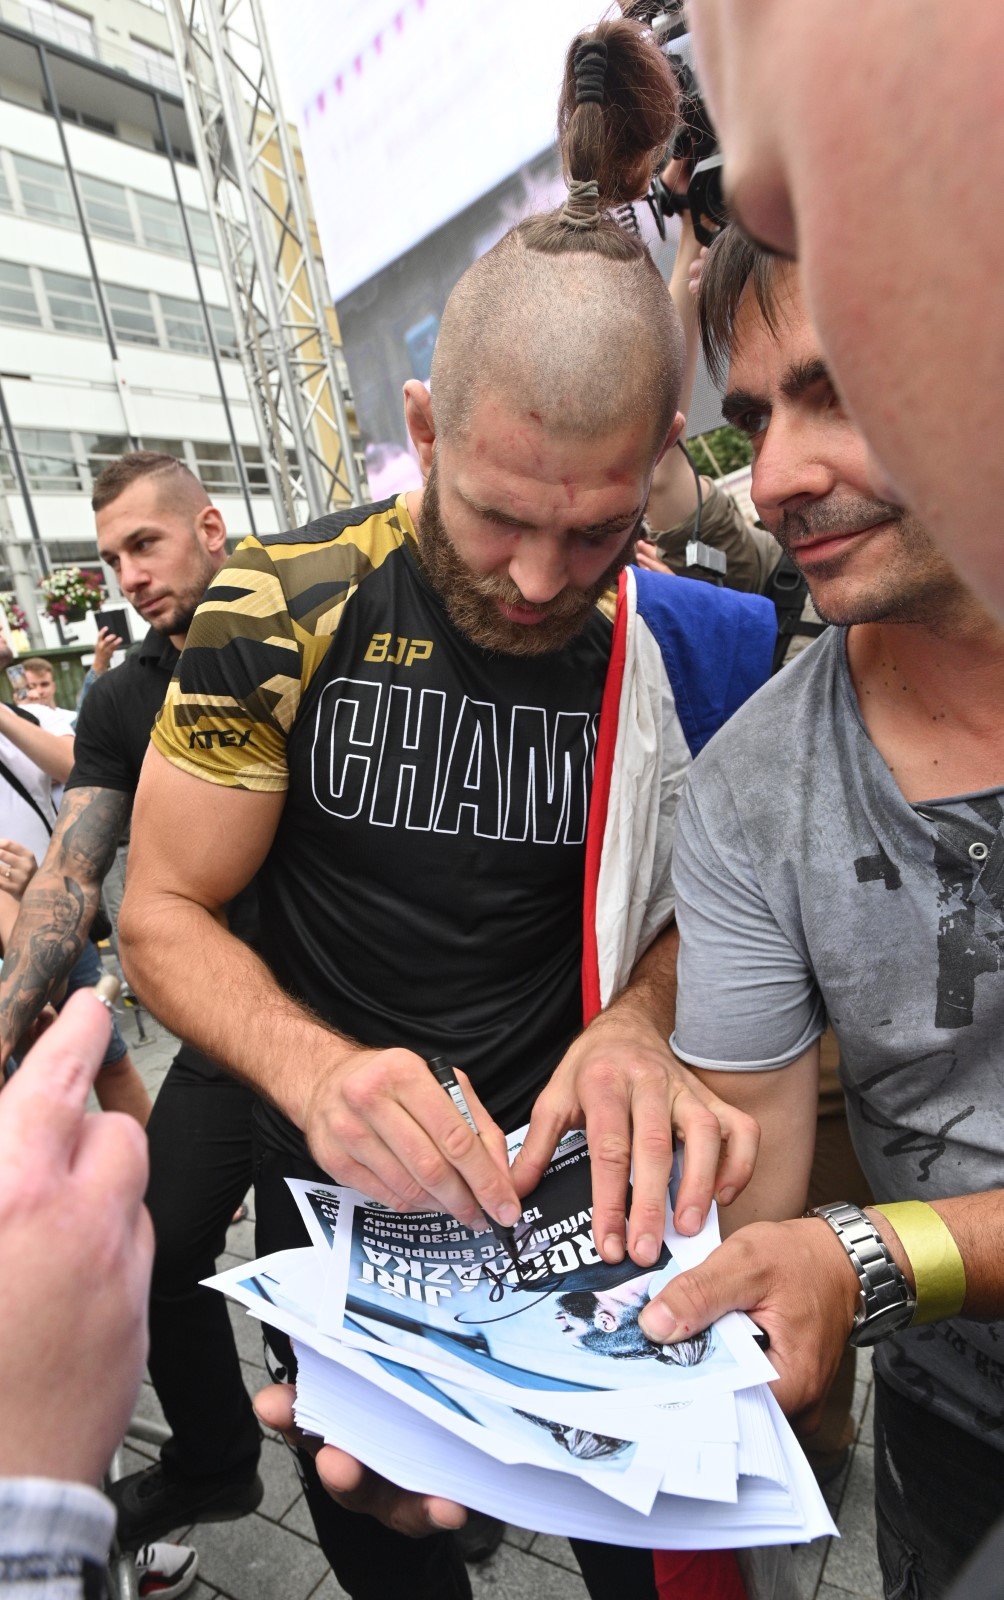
(275, 285)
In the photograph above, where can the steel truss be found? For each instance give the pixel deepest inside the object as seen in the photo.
(275, 285)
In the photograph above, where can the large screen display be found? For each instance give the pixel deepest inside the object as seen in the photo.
(411, 109)
(428, 130)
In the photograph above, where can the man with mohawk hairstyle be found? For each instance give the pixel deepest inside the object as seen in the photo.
(393, 716)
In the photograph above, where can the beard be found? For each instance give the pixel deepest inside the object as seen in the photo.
(913, 585)
(186, 601)
(472, 602)
(181, 618)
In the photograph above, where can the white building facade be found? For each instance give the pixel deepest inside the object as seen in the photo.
(114, 327)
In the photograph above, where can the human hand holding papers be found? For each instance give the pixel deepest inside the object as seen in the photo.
(528, 1390)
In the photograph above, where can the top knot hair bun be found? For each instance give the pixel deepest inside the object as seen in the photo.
(589, 68)
(616, 116)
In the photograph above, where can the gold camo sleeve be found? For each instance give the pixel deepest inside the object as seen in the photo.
(231, 703)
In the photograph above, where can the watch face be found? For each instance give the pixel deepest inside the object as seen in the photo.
(882, 1323)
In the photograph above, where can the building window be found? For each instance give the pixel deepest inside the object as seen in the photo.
(76, 552)
(179, 153)
(215, 466)
(161, 224)
(72, 305)
(201, 230)
(61, 25)
(107, 209)
(168, 447)
(48, 461)
(164, 230)
(255, 469)
(83, 119)
(102, 448)
(154, 64)
(132, 314)
(45, 190)
(17, 296)
(183, 325)
(223, 328)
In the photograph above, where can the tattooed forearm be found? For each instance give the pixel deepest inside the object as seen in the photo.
(88, 831)
(58, 907)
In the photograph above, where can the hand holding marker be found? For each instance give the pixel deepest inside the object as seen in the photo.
(511, 1239)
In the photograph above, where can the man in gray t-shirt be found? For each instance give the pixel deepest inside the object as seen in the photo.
(809, 888)
(840, 857)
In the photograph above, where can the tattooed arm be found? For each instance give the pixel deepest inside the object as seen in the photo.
(58, 907)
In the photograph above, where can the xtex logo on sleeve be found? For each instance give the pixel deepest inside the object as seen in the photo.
(205, 741)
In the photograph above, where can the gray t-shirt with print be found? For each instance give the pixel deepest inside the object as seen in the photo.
(808, 888)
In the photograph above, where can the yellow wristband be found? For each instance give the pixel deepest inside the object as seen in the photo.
(938, 1268)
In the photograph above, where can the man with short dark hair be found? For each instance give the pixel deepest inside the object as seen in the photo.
(158, 531)
(839, 121)
(838, 857)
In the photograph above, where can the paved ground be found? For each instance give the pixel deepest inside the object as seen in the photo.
(272, 1555)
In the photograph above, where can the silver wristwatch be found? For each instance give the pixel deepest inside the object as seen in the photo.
(887, 1303)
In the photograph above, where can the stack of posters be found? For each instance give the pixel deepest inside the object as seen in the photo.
(526, 1389)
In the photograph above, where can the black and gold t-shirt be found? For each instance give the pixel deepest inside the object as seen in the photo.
(425, 884)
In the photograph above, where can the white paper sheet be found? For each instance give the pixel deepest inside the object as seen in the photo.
(423, 1353)
(412, 1451)
(440, 1291)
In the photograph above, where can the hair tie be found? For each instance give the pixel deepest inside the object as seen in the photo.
(589, 66)
(582, 208)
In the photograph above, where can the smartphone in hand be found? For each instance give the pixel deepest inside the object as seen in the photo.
(18, 680)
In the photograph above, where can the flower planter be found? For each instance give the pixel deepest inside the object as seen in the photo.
(69, 593)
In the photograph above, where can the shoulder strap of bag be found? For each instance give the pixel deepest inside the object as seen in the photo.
(29, 799)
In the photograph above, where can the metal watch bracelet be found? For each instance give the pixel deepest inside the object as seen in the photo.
(887, 1303)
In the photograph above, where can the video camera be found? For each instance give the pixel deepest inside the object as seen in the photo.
(695, 142)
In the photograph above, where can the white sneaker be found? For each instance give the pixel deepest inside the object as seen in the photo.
(165, 1570)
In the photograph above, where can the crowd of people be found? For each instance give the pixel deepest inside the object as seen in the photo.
(327, 731)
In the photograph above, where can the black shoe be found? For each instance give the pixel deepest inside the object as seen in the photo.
(479, 1537)
(150, 1504)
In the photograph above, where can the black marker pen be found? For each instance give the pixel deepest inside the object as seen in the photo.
(510, 1239)
(445, 1075)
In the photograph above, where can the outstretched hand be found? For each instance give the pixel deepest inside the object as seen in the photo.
(105, 647)
(76, 1248)
(622, 1083)
(797, 1283)
(351, 1484)
(17, 867)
